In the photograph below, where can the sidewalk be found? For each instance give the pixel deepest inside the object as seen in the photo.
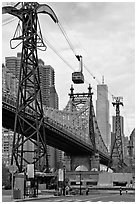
(8, 198)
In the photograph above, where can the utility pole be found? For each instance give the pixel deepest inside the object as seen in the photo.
(117, 149)
(29, 117)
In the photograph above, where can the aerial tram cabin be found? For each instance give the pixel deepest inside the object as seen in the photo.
(78, 77)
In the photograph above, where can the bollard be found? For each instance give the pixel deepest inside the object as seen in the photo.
(120, 190)
(87, 191)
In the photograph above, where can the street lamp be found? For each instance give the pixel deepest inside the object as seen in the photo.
(64, 172)
(80, 183)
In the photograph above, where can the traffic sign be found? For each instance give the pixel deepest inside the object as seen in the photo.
(13, 168)
(60, 175)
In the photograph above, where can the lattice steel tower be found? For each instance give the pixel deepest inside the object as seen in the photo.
(117, 149)
(78, 100)
(29, 118)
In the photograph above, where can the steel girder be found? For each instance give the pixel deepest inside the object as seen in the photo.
(29, 94)
(81, 104)
(74, 124)
(117, 149)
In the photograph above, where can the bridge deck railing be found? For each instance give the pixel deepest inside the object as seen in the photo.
(70, 123)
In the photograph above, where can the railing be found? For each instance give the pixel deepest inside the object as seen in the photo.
(72, 123)
(54, 117)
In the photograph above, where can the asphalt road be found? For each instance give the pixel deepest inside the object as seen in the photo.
(105, 196)
(91, 198)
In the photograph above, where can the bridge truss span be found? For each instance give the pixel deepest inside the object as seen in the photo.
(64, 126)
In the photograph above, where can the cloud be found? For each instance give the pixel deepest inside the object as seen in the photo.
(103, 32)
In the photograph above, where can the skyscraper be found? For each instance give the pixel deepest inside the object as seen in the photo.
(10, 78)
(132, 149)
(50, 99)
(47, 82)
(102, 113)
(7, 140)
(10, 74)
(13, 64)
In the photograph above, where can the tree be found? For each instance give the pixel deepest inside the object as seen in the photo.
(6, 181)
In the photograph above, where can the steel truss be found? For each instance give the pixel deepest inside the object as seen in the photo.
(29, 93)
(117, 149)
(82, 103)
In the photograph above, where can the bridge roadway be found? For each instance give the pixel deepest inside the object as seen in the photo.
(56, 136)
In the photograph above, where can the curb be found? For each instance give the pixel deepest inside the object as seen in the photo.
(40, 198)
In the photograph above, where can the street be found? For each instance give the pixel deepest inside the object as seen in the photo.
(102, 196)
(107, 197)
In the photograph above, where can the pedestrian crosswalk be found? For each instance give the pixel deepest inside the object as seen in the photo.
(83, 199)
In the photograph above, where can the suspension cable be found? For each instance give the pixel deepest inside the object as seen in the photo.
(66, 37)
(57, 53)
(72, 48)
(9, 20)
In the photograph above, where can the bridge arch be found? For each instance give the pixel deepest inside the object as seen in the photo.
(81, 168)
(81, 161)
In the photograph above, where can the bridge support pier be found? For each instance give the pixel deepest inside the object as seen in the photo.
(67, 163)
(85, 161)
(95, 162)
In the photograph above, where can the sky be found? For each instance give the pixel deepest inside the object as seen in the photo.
(104, 34)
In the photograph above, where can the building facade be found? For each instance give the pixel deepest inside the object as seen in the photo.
(102, 113)
(10, 76)
(10, 79)
(50, 99)
(131, 149)
(7, 139)
(13, 64)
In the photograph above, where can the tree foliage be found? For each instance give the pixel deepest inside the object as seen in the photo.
(5, 177)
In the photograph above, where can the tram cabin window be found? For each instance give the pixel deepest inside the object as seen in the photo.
(77, 78)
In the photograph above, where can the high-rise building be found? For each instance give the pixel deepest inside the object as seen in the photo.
(10, 75)
(10, 78)
(7, 140)
(132, 139)
(47, 82)
(102, 113)
(13, 64)
(50, 99)
(132, 148)
(125, 145)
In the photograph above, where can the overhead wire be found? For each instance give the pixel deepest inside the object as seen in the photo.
(56, 52)
(66, 37)
(59, 55)
(73, 50)
(9, 21)
(71, 46)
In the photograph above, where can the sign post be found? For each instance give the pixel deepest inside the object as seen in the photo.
(60, 180)
(12, 170)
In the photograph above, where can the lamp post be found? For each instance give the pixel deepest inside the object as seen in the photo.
(64, 172)
(80, 183)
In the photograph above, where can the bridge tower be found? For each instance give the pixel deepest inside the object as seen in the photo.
(117, 148)
(90, 161)
(29, 98)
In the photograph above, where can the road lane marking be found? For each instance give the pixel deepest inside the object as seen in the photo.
(102, 197)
